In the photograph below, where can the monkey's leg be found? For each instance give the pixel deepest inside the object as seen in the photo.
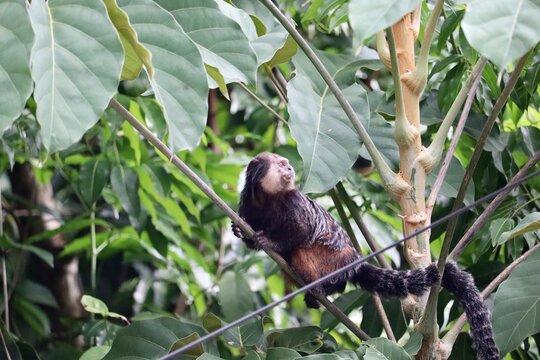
(310, 299)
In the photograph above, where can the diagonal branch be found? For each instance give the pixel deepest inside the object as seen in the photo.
(490, 209)
(175, 160)
(457, 135)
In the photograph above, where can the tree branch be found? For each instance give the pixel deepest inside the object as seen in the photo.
(490, 209)
(175, 160)
(457, 135)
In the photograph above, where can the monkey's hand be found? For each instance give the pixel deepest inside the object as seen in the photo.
(261, 241)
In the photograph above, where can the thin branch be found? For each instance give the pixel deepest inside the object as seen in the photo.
(450, 153)
(384, 318)
(380, 257)
(428, 322)
(264, 105)
(353, 209)
(421, 70)
(344, 219)
(281, 92)
(391, 181)
(432, 155)
(490, 209)
(451, 336)
(479, 148)
(175, 160)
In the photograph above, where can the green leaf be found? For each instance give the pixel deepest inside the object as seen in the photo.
(72, 88)
(327, 141)
(452, 181)
(497, 227)
(194, 352)
(179, 81)
(273, 45)
(414, 343)
(95, 353)
(502, 30)
(305, 339)
(235, 296)
(282, 354)
(530, 222)
(368, 17)
(389, 349)
(374, 354)
(92, 179)
(68, 228)
(346, 303)
(7, 243)
(36, 293)
(125, 184)
(135, 54)
(94, 306)
(16, 38)
(517, 305)
(220, 40)
(153, 338)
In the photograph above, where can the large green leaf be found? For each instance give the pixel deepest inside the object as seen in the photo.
(135, 54)
(125, 184)
(76, 66)
(367, 17)
(235, 296)
(272, 35)
(221, 41)
(305, 339)
(179, 81)
(389, 349)
(151, 339)
(346, 303)
(502, 30)
(530, 222)
(517, 305)
(92, 179)
(16, 38)
(327, 141)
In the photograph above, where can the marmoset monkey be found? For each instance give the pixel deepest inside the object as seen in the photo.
(314, 244)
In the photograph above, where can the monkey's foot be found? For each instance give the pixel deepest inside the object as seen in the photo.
(237, 231)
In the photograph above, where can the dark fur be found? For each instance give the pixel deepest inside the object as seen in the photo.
(313, 244)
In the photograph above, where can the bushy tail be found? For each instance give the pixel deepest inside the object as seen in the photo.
(395, 283)
(461, 284)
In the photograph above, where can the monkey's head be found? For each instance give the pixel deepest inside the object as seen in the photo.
(269, 173)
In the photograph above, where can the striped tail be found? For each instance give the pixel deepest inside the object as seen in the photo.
(461, 284)
(395, 283)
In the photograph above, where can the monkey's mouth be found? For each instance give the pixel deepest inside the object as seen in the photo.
(288, 177)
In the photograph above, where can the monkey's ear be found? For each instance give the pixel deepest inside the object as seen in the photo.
(256, 170)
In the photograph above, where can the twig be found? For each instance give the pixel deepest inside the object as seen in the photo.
(478, 149)
(453, 144)
(493, 205)
(384, 318)
(281, 92)
(175, 160)
(451, 336)
(264, 105)
(353, 209)
(344, 219)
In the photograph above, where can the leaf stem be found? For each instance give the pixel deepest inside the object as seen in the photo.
(264, 105)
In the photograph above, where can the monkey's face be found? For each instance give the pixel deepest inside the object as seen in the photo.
(279, 176)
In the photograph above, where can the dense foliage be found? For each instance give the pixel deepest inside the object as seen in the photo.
(109, 250)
